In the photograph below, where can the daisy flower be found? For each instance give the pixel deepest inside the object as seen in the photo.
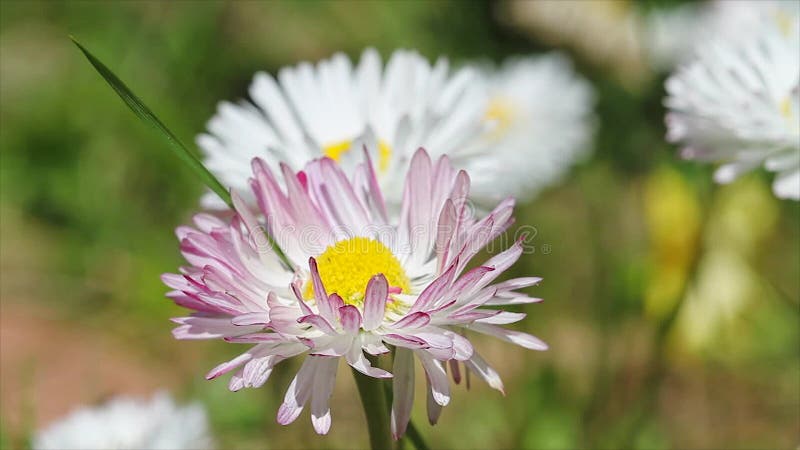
(739, 103)
(331, 109)
(671, 35)
(358, 282)
(129, 423)
(540, 122)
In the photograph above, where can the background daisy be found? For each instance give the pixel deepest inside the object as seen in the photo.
(672, 35)
(129, 424)
(540, 122)
(332, 109)
(739, 103)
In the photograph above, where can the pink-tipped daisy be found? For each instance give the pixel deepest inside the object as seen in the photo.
(358, 282)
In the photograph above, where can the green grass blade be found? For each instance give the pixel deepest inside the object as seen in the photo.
(147, 116)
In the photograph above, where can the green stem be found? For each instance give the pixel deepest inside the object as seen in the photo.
(415, 437)
(375, 409)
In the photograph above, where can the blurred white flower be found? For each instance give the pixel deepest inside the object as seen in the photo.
(739, 103)
(128, 423)
(540, 122)
(741, 20)
(670, 36)
(332, 108)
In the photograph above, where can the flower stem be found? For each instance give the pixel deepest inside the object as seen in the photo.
(375, 409)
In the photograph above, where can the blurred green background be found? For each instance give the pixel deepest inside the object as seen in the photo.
(672, 306)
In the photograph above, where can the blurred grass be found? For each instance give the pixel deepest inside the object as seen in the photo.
(90, 197)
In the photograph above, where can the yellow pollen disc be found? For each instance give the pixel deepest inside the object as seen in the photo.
(786, 107)
(337, 149)
(500, 112)
(784, 22)
(347, 266)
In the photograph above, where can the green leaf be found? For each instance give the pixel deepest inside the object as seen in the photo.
(147, 116)
(143, 112)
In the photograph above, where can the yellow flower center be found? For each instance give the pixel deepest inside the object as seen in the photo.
(501, 112)
(786, 107)
(347, 266)
(787, 112)
(784, 22)
(337, 149)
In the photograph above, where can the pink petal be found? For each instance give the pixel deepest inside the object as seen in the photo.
(399, 340)
(502, 318)
(338, 346)
(254, 318)
(300, 203)
(476, 301)
(318, 321)
(207, 328)
(350, 318)
(413, 320)
(321, 297)
(374, 193)
(373, 345)
(515, 337)
(433, 292)
(455, 370)
(375, 302)
(444, 232)
(515, 300)
(473, 315)
(434, 408)
(300, 301)
(227, 366)
(324, 380)
(256, 338)
(440, 386)
(299, 392)
(461, 345)
(257, 371)
(478, 365)
(468, 281)
(517, 283)
(355, 357)
(403, 389)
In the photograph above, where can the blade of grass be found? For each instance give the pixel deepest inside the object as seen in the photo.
(181, 151)
(147, 116)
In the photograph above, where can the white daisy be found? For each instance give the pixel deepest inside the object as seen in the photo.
(670, 36)
(332, 108)
(741, 20)
(739, 103)
(128, 423)
(540, 117)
